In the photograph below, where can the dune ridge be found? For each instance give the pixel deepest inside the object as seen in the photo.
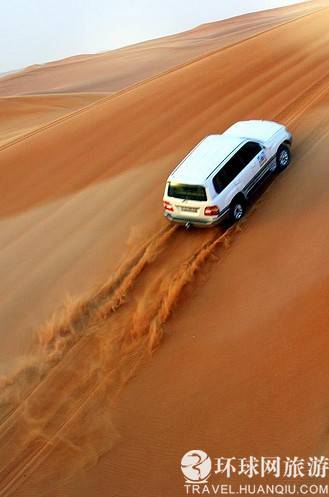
(25, 114)
(91, 99)
(117, 69)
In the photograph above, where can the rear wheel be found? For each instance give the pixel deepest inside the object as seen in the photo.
(237, 209)
(283, 157)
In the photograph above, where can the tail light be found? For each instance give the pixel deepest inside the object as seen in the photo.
(167, 206)
(211, 210)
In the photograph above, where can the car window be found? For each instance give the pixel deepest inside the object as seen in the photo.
(228, 172)
(248, 152)
(188, 192)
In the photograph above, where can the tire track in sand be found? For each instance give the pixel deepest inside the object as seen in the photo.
(119, 341)
(64, 329)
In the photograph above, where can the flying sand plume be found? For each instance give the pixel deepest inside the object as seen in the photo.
(50, 412)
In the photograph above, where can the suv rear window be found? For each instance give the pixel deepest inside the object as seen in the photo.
(188, 192)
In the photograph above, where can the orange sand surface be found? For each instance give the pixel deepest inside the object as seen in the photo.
(174, 340)
(24, 114)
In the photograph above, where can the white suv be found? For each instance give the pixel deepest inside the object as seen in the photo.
(215, 179)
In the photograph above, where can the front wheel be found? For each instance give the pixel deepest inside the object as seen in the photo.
(283, 157)
(237, 209)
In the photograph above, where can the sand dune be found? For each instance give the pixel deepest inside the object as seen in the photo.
(206, 339)
(22, 115)
(117, 69)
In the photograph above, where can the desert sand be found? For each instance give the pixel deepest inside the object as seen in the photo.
(21, 115)
(162, 340)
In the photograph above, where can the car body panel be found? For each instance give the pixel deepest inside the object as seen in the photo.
(258, 130)
(210, 152)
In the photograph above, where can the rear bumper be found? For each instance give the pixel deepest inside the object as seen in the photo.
(200, 223)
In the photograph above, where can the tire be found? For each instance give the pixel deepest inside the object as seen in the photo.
(237, 209)
(283, 157)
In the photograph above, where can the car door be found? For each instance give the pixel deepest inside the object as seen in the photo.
(226, 182)
(253, 159)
